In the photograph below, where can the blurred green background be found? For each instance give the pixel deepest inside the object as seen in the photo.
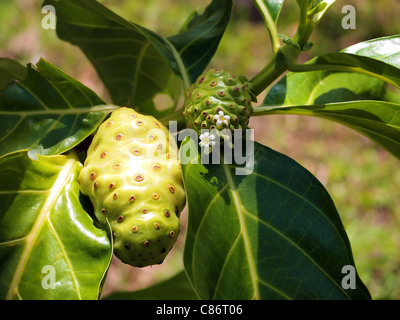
(363, 179)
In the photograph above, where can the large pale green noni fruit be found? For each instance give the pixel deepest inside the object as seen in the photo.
(217, 100)
(133, 178)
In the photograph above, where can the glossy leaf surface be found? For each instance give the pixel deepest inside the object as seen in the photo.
(47, 112)
(136, 64)
(49, 246)
(377, 120)
(272, 234)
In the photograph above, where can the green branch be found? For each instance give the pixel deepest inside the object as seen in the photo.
(274, 69)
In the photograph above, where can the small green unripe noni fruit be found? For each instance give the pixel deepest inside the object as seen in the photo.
(217, 100)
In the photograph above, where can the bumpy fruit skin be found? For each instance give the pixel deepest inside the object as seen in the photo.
(215, 91)
(133, 178)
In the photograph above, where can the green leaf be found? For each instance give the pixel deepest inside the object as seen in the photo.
(377, 120)
(311, 12)
(10, 70)
(177, 287)
(47, 112)
(270, 10)
(272, 234)
(46, 238)
(136, 64)
(131, 61)
(352, 99)
(385, 49)
(322, 87)
(348, 62)
(198, 44)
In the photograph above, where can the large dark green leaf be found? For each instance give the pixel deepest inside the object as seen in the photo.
(47, 111)
(176, 288)
(45, 234)
(131, 61)
(377, 120)
(10, 70)
(272, 234)
(198, 44)
(135, 63)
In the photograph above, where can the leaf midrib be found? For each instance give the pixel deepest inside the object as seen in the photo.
(230, 186)
(243, 230)
(43, 215)
(24, 114)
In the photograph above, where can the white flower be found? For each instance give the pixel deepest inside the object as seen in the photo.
(221, 119)
(207, 142)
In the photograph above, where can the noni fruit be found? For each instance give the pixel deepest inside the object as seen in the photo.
(217, 100)
(133, 178)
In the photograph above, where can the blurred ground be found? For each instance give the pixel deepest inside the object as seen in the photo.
(363, 179)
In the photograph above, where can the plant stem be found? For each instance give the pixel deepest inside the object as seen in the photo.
(275, 68)
(303, 29)
(268, 110)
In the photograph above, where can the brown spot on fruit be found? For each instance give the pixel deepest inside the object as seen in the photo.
(119, 136)
(146, 243)
(171, 188)
(139, 177)
(156, 196)
(92, 176)
(120, 218)
(117, 166)
(132, 198)
(171, 233)
(167, 213)
(136, 152)
(135, 229)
